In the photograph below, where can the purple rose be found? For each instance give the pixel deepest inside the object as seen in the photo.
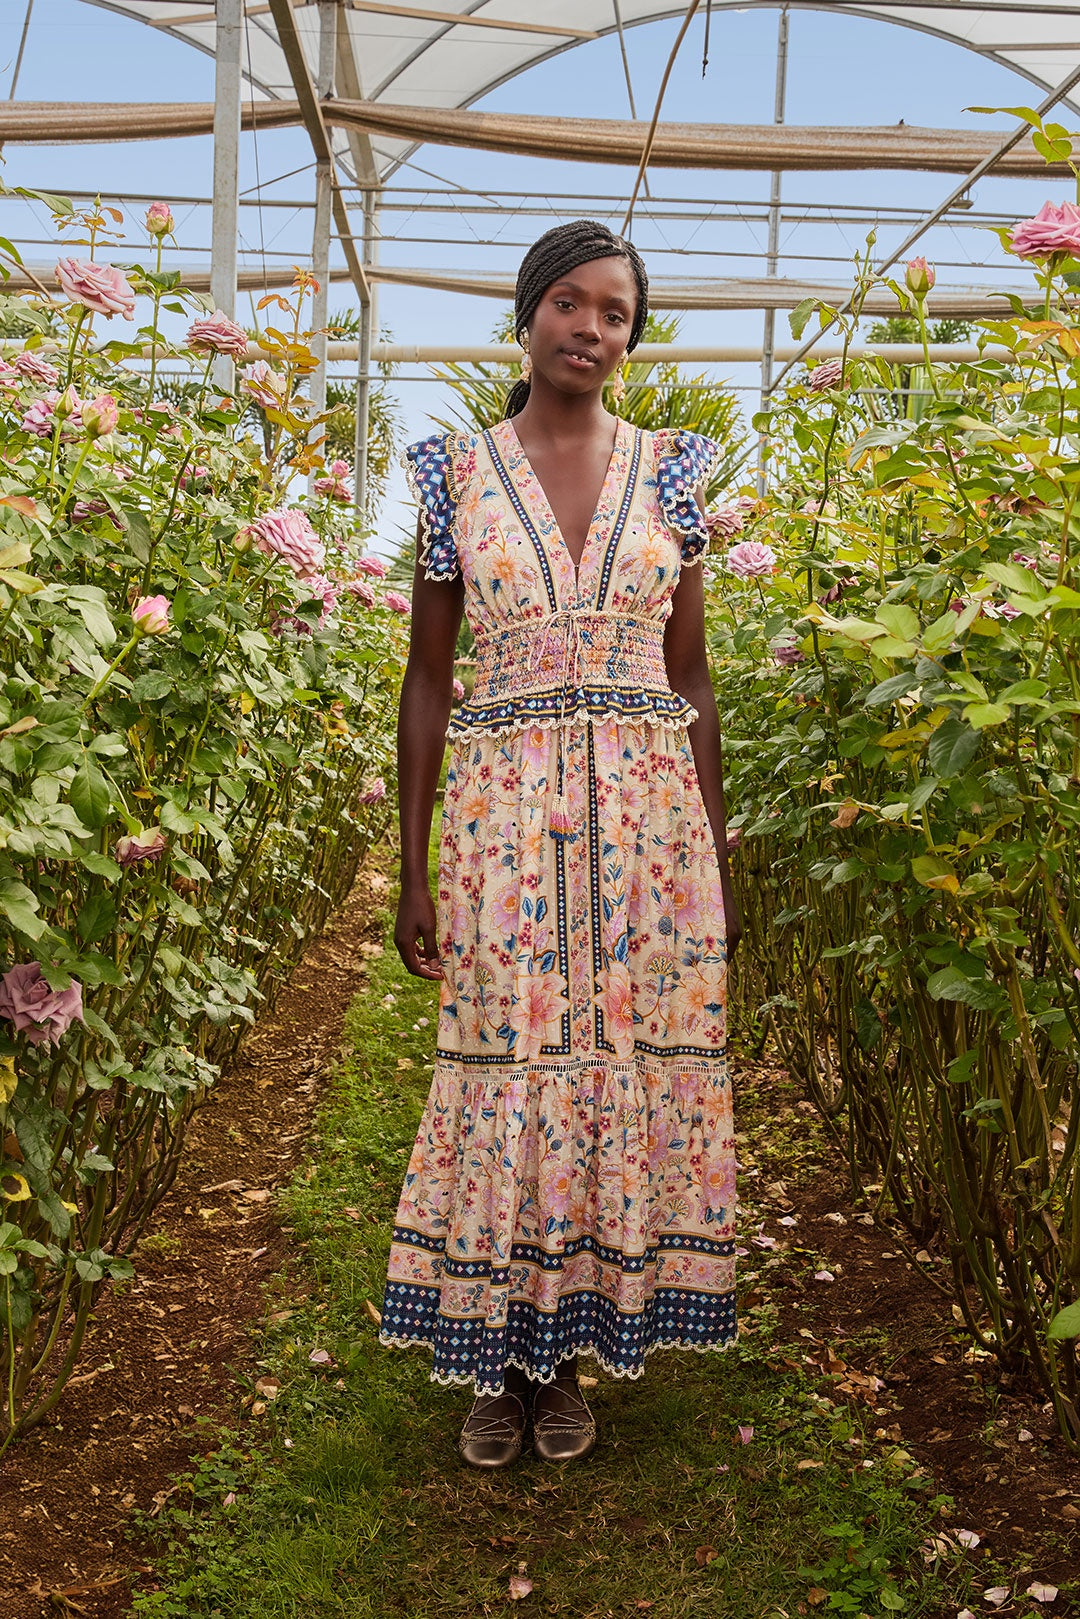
(140, 846)
(37, 1011)
(373, 794)
(787, 654)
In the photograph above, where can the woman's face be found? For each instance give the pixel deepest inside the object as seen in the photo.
(579, 330)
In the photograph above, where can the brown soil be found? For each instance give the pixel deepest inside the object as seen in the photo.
(170, 1346)
(173, 1344)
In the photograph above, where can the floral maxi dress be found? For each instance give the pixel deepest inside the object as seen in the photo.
(572, 1185)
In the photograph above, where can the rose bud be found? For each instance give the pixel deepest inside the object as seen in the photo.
(67, 404)
(100, 416)
(159, 219)
(151, 615)
(919, 278)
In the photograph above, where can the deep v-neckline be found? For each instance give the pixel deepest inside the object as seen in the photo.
(601, 503)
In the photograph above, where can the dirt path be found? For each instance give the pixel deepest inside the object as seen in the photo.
(167, 1349)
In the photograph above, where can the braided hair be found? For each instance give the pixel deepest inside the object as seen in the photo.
(557, 252)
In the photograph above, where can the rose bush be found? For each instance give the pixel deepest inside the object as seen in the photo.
(901, 702)
(192, 727)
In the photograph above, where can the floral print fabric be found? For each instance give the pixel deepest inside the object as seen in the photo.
(571, 1189)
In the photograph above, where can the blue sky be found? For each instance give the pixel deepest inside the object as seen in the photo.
(843, 70)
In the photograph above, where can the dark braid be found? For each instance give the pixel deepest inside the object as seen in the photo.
(558, 252)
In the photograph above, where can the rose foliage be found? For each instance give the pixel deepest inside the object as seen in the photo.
(193, 738)
(908, 793)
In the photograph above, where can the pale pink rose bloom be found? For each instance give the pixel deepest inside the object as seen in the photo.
(1008, 611)
(340, 469)
(362, 591)
(373, 794)
(159, 219)
(319, 588)
(734, 838)
(829, 374)
(40, 418)
(724, 523)
(375, 566)
(139, 846)
(151, 615)
(332, 489)
(751, 560)
(1024, 561)
(264, 385)
(37, 1011)
(217, 334)
(100, 416)
(459, 690)
(38, 370)
(101, 288)
(289, 535)
(1053, 230)
(9, 376)
(919, 277)
(397, 602)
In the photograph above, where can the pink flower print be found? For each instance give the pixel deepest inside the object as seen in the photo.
(535, 748)
(617, 1005)
(660, 1133)
(686, 897)
(504, 911)
(535, 1013)
(556, 1187)
(718, 1183)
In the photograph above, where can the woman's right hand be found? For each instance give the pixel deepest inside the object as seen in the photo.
(416, 934)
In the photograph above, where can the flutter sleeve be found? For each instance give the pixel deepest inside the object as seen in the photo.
(438, 469)
(683, 461)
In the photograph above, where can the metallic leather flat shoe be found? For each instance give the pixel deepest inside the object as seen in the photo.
(564, 1429)
(493, 1431)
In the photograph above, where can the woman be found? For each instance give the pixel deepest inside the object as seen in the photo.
(571, 1189)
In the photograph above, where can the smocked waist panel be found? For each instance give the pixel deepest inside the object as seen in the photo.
(568, 666)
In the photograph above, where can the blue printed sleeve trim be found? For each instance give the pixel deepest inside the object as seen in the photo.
(434, 472)
(683, 461)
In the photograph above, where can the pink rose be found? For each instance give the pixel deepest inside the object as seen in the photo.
(140, 846)
(159, 219)
(264, 385)
(289, 535)
(151, 615)
(375, 566)
(41, 417)
(323, 590)
(37, 1011)
(84, 511)
(9, 377)
(217, 334)
(397, 602)
(836, 590)
(373, 794)
(751, 560)
(724, 522)
(734, 838)
(829, 374)
(787, 654)
(459, 690)
(100, 416)
(101, 288)
(340, 469)
(919, 278)
(333, 489)
(38, 370)
(362, 591)
(1053, 230)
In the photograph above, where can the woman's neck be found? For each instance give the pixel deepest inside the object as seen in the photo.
(552, 415)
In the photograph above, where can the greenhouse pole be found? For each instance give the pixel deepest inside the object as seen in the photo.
(226, 214)
(320, 246)
(768, 336)
(366, 338)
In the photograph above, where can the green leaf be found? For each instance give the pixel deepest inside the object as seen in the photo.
(799, 316)
(1024, 691)
(137, 533)
(101, 866)
(933, 872)
(152, 686)
(89, 794)
(952, 747)
(1066, 1324)
(96, 918)
(901, 621)
(89, 603)
(981, 715)
(173, 819)
(950, 984)
(887, 691)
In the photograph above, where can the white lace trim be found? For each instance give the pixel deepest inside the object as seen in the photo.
(629, 1373)
(651, 717)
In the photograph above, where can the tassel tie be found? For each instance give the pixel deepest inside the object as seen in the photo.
(560, 824)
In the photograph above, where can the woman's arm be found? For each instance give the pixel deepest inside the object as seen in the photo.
(688, 671)
(426, 692)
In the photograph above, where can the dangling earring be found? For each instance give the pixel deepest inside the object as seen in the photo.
(618, 383)
(526, 364)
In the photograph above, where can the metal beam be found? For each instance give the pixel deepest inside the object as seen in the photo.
(364, 351)
(365, 164)
(227, 94)
(311, 113)
(320, 242)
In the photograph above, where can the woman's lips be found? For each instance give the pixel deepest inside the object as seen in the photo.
(579, 359)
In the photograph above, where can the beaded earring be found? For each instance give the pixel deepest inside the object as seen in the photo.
(526, 364)
(618, 383)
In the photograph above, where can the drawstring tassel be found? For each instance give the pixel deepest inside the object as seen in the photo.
(560, 824)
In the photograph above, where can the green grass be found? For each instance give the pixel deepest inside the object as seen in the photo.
(350, 1501)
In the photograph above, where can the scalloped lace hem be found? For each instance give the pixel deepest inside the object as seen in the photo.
(629, 1373)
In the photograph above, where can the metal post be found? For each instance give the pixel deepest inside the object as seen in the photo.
(320, 246)
(227, 83)
(368, 323)
(772, 254)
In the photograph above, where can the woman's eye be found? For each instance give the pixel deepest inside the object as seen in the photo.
(563, 303)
